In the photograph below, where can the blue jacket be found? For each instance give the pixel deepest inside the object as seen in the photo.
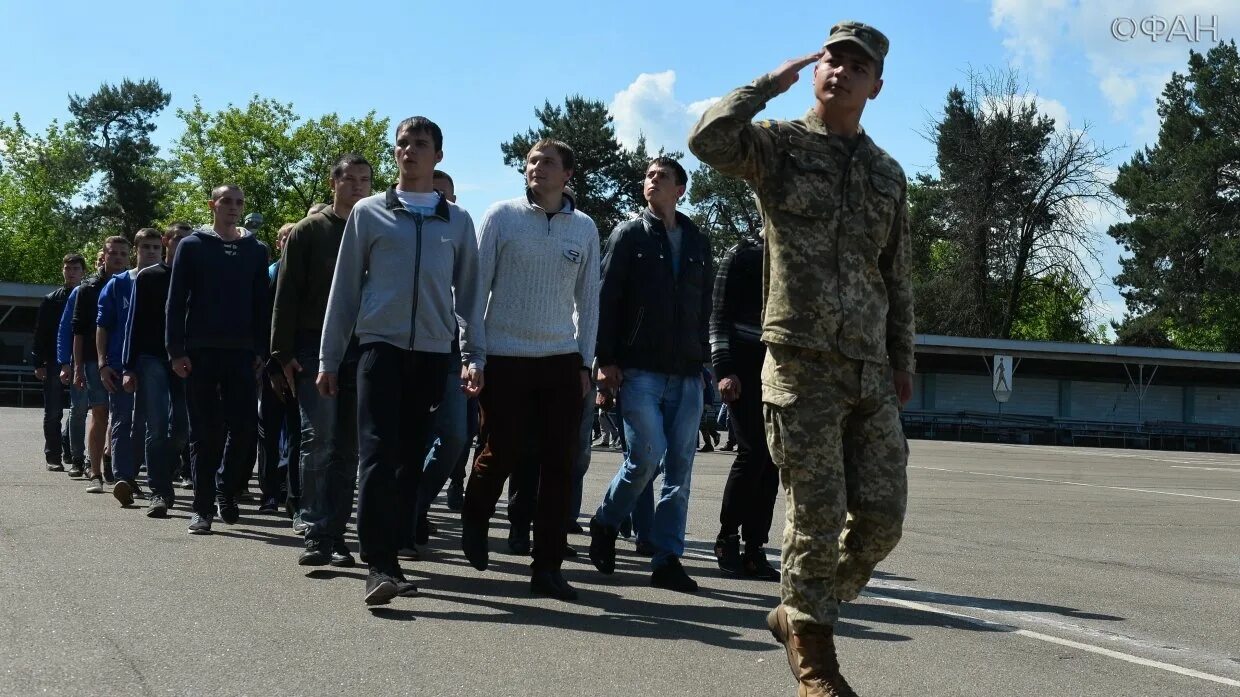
(64, 333)
(113, 316)
(218, 296)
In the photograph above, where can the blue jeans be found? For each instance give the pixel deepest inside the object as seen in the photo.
(661, 414)
(328, 449)
(120, 412)
(162, 395)
(447, 443)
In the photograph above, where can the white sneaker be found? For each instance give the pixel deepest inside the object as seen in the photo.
(95, 486)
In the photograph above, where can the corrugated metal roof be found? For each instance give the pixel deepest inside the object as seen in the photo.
(1065, 351)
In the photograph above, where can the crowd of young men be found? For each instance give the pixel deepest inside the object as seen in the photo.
(389, 319)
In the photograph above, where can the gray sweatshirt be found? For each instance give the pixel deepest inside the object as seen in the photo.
(406, 280)
(542, 275)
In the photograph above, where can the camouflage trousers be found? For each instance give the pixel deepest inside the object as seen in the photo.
(833, 426)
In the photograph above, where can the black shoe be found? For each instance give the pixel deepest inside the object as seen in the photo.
(644, 548)
(552, 585)
(519, 541)
(341, 557)
(315, 554)
(156, 507)
(422, 531)
(228, 511)
(380, 588)
(602, 546)
(574, 528)
(199, 525)
(410, 553)
(270, 506)
(456, 496)
(569, 552)
(75, 471)
(708, 448)
(755, 565)
(55, 467)
(672, 576)
(728, 447)
(137, 490)
(405, 587)
(728, 554)
(123, 492)
(474, 542)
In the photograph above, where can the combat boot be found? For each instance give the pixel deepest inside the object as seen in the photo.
(811, 656)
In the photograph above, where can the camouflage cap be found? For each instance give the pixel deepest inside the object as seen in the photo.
(869, 39)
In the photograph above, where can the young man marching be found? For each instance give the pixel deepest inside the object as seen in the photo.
(406, 271)
(47, 368)
(538, 259)
(838, 324)
(216, 336)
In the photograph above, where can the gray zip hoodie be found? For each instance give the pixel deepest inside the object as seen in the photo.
(404, 279)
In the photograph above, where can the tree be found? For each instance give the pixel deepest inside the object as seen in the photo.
(1182, 270)
(281, 163)
(1010, 209)
(607, 177)
(39, 177)
(118, 122)
(724, 207)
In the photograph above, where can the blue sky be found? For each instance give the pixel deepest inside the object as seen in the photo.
(480, 69)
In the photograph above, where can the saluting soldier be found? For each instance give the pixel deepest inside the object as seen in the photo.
(838, 324)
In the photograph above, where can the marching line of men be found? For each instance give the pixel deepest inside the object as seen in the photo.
(389, 318)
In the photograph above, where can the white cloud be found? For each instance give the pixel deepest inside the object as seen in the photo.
(649, 107)
(1130, 74)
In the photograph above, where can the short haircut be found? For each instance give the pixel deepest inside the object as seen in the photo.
(421, 124)
(74, 258)
(682, 177)
(219, 191)
(348, 159)
(285, 229)
(318, 208)
(567, 158)
(116, 239)
(178, 226)
(440, 174)
(147, 233)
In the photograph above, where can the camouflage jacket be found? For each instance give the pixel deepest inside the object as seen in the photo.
(836, 273)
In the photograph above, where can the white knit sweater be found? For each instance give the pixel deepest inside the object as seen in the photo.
(542, 276)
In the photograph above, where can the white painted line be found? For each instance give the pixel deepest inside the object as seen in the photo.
(1171, 668)
(1208, 469)
(1060, 481)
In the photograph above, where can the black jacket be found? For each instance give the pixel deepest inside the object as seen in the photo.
(736, 316)
(649, 317)
(46, 326)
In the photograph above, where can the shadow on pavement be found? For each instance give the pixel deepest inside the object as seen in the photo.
(990, 603)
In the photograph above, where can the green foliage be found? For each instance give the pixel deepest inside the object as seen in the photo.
(39, 176)
(117, 122)
(1183, 194)
(607, 178)
(281, 163)
(724, 208)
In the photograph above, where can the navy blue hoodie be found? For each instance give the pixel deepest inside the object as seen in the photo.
(217, 297)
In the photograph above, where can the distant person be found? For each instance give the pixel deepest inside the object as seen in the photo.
(58, 441)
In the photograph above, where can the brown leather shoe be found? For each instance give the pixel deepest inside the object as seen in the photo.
(811, 656)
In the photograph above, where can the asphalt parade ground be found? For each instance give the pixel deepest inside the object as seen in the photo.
(1023, 570)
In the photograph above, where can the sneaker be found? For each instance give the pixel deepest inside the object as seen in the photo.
(199, 525)
(138, 493)
(95, 485)
(315, 554)
(728, 554)
(341, 557)
(270, 506)
(671, 575)
(755, 565)
(123, 491)
(55, 467)
(569, 552)
(380, 588)
(474, 536)
(456, 496)
(299, 526)
(552, 584)
(75, 471)
(405, 587)
(602, 546)
(156, 507)
(228, 511)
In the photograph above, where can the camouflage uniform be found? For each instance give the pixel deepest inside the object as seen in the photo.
(838, 318)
